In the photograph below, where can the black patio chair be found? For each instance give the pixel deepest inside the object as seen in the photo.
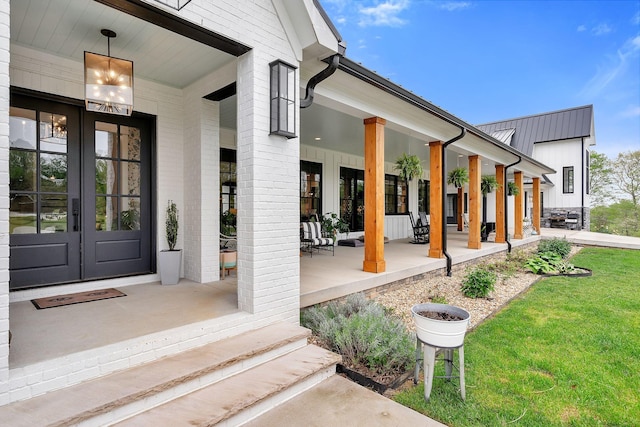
(420, 231)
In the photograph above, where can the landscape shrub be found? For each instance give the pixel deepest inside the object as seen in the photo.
(548, 262)
(478, 283)
(561, 247)
(363, 333)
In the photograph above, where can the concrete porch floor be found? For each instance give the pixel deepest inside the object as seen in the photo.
(40, 335)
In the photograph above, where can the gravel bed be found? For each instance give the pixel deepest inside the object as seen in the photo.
(506, 288)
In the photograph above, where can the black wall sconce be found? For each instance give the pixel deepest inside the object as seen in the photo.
(283, 99)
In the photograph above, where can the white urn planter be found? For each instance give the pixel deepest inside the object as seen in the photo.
(169, 266)
(438, 332)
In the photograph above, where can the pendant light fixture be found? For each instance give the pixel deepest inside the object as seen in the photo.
(108, 81)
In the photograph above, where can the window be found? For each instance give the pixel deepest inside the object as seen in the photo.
(587, 171)
(228, 191)
(395, 195)
(567, 179)
(37, 172)
(424, 194)
(352, 198)
(310, 190)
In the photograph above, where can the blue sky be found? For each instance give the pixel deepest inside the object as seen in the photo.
(485, 60)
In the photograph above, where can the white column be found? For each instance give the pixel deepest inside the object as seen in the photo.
(4, 201)
(201, 188)
(268, 179)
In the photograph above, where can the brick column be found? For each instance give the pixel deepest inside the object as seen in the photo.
(519, 209)
(435, 198)
(500, 206)
(475, 198)
(374, 195)
(4, 202)
(536, 205)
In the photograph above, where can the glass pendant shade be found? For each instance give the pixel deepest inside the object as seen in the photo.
(108, 84)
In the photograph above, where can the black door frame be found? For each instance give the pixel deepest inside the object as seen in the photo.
(38, 97)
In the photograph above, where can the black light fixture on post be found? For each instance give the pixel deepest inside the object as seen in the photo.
(108, 81)
(283, 99)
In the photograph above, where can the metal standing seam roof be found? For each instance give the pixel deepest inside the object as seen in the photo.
(553, 126)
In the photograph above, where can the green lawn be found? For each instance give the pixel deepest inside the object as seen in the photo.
(566, 353)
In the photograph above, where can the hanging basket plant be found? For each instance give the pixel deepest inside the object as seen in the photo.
(488, 184)
(513, 189)
(458, 177)
(409, 166)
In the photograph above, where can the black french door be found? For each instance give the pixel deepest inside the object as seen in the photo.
(80, 194)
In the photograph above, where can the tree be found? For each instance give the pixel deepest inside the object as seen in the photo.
(600, 179)
(626, 174)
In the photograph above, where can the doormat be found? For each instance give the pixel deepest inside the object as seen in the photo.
(60, 300)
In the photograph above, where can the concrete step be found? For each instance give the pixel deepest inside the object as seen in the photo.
(118, 395)
(244, 396)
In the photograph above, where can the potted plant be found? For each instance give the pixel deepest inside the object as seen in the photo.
(332, 224)
(488, 183)
(170, 260)
(513, 189)
(440, 325)
(408, 166)
(458, 177)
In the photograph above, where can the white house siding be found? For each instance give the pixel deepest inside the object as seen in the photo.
(559, 154)
(395, 226)
(186, 147)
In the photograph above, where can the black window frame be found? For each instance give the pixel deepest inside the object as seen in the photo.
(310, 200)
(568, 180)
(352, 197)
(424, 196)
(393, 200)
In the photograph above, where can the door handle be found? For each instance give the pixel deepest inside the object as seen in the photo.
(75, 210)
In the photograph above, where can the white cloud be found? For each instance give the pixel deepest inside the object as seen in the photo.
(616, 67)
(601, 29)
(383, 14)
(632, 111)
(454, 5)
(581, 28)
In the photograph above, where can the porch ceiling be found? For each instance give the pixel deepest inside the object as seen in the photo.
(68, 28)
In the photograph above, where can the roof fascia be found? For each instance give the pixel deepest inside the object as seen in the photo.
(368, 76)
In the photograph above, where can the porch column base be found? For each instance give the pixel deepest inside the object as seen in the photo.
(474, 245)
(436, 253)
(374, 266)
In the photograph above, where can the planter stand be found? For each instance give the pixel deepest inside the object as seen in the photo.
(434, 334)
(429, 362)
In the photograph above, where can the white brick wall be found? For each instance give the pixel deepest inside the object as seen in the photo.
(4, 199)
(187, 154)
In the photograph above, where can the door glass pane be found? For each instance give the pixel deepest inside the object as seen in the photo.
(129, 143)
(130, 213)
(22, 214)
(22, 170)
(53, 213)
(106, 213)
(53, 172)
(22, 128)
(53, 132)
(106, 178)
(130, 178)
(106, 139)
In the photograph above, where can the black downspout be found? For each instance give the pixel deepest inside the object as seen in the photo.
(506, 214)
(313, 81)
(463, 132)
(582, 168)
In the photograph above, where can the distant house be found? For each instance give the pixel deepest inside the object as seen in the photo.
(561, 140)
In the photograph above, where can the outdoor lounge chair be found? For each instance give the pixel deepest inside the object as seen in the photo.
(312, 238)
(420, 231)
(465, 221)
(228, 242)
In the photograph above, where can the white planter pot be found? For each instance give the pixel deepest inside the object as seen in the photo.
(169, 266)
(441, 333)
